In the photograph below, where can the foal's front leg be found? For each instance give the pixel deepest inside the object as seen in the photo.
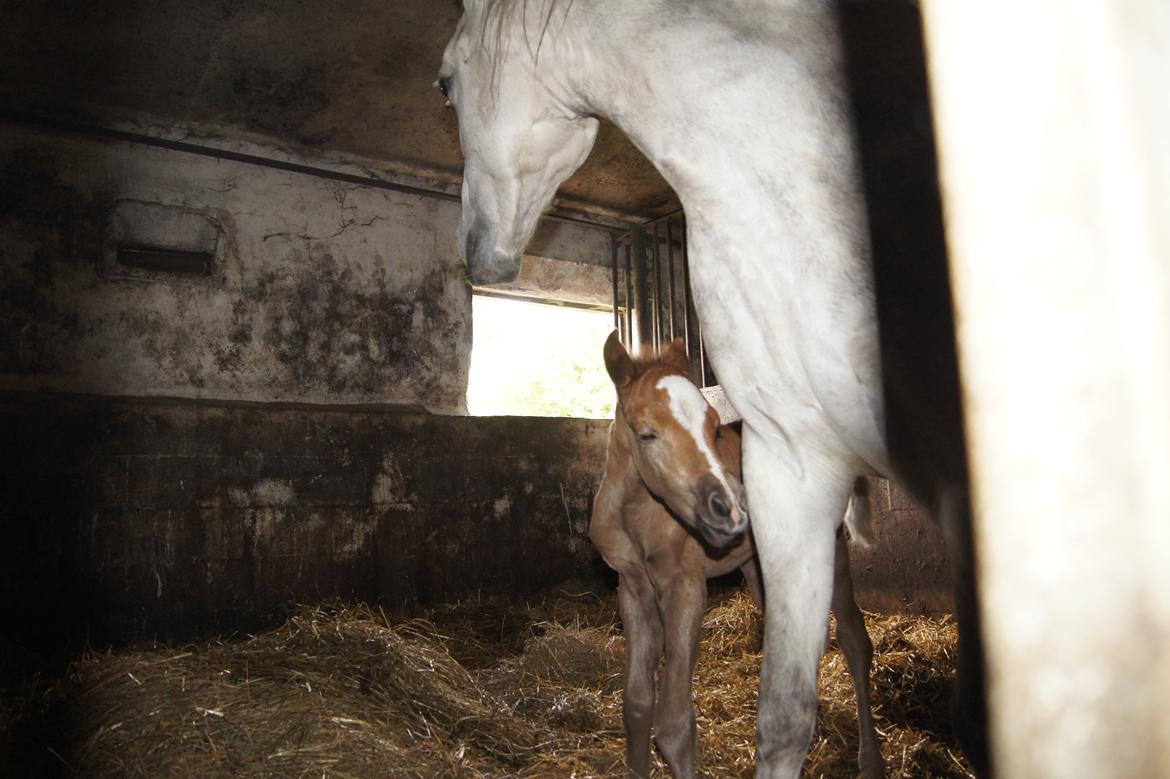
(643, 631)
(682, 599)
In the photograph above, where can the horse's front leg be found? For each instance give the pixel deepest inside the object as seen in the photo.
(797, 498)
(858, 649)
(643, 631)
(682, 598)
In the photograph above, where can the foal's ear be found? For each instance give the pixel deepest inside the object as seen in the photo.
(617, 361)
(675, 355)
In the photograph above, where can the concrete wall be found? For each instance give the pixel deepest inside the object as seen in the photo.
(327, 291)
(134, 519)
(280, 447)
(322, 291)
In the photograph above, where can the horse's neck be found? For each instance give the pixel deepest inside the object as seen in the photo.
(745, 112)
(739, 97)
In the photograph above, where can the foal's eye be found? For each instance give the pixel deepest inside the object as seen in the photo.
(647, 436)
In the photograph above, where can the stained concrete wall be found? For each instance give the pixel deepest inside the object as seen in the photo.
(134, 519)
(327, 291)
(322, 291)
(292, 436)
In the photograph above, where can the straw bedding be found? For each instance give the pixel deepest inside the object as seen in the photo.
(488, 688)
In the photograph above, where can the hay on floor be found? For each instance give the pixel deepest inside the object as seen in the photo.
(488, 688)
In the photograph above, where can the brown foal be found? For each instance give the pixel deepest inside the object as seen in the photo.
(670, 500)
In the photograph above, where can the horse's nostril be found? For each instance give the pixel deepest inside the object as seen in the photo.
(719, 506)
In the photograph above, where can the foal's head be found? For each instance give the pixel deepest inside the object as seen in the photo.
(671, 430)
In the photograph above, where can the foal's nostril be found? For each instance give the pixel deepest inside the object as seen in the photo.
(719, 505)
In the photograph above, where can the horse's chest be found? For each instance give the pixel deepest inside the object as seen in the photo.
(795, 346)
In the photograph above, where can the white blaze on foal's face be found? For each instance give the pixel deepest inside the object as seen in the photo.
(690, 409)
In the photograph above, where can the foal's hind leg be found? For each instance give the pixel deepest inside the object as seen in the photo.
(854, 640)
(643, 631)
(751, 575)
(682, 598)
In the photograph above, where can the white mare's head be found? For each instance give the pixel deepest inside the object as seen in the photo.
(506, 71)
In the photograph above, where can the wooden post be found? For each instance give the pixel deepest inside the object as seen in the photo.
(1053, 122)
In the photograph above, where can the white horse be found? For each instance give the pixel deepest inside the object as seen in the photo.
(741, 106)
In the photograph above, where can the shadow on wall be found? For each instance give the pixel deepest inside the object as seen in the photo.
(137, 520)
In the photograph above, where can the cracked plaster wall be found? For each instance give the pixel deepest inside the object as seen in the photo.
(328, 291)
(189, 513)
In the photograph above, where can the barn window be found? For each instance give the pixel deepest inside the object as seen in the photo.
(535, 358)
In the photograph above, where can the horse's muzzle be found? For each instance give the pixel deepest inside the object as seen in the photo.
(486, 265)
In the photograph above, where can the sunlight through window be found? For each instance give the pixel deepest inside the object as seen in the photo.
(534, 359)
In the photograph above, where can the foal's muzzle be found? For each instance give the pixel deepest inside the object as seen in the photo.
(722, 518)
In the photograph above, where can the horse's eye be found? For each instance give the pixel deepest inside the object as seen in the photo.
(647, 436)
(444, 86)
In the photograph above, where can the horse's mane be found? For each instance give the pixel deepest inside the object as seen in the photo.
(498, 18)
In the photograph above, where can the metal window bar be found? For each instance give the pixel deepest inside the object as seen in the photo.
(617, 315)
(651, 307)
(657, 288)
(629, 268)
(670, 264)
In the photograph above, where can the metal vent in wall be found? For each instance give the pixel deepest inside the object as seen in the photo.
(164, 260)
(158, 242)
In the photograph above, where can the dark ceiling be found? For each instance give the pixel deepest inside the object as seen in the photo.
(348, 76)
